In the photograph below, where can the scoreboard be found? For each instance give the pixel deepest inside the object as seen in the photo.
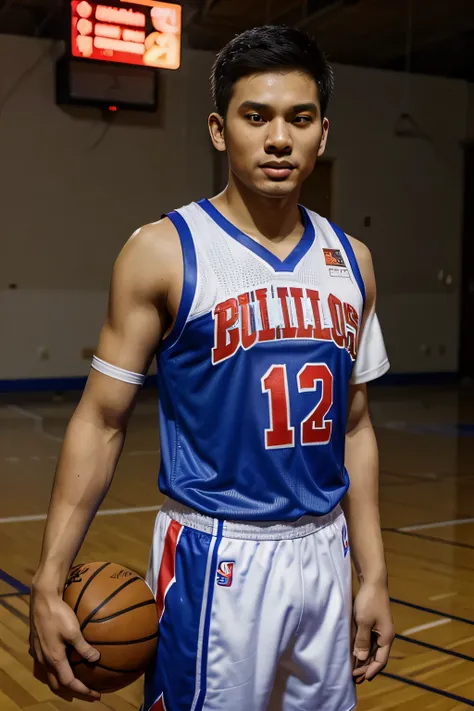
(146, 33)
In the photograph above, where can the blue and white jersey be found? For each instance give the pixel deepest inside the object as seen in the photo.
(253, 379)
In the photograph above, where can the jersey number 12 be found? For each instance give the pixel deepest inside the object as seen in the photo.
(315, 429)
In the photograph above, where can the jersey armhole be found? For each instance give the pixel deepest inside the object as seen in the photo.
(189, 279)
(352, 259)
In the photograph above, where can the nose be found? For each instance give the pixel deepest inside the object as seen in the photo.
(278, 138)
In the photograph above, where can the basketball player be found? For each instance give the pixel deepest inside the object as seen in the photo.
(262, 317)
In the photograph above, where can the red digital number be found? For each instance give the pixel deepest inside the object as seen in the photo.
(275, 383)
(315, 429)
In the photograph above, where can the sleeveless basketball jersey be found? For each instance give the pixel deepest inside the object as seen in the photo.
(253, 378)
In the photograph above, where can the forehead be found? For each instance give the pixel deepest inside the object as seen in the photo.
(279, 89)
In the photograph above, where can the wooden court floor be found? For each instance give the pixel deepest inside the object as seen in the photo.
(426, 439)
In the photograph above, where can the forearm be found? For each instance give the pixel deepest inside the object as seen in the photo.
(85, 470)
(361, 505)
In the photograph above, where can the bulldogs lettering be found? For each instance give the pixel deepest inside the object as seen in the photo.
(274, 313)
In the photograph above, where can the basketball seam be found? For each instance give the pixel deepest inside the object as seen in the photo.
(121, 612)
(108, 599)
(112, 669)
(86, 585)
(129, 641)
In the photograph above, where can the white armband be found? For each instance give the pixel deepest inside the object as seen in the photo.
(127, 376)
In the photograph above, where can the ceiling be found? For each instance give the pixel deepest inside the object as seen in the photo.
(371, 33)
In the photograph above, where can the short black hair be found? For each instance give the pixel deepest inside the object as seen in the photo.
(268, 48)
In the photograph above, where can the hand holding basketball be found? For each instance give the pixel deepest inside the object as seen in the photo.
(53, 626)
(101, 636)
(117, 614)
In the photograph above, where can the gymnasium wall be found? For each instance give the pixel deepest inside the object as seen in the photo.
(470, 114)
(412, 191)
(67, 206)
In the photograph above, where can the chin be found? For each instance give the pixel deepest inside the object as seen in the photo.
(276, 189)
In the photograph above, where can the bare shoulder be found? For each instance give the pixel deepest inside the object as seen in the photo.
(150, 257)
(154, 241)
(361, 251)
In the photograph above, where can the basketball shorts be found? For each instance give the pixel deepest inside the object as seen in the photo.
(253, 617)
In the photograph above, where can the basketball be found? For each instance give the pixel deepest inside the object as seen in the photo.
(117, 613)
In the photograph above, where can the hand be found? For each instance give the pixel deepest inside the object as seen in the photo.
(53, 625)
(374, 631)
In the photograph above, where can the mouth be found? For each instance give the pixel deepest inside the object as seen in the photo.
(278, 170)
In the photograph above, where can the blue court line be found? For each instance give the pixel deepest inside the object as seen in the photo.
(15, 594)
(425, 687)
(434, 647)
(14, 583)
(434, 539)
(397, 601)
(13, 611)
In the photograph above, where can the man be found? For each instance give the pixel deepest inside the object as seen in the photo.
(262, 315)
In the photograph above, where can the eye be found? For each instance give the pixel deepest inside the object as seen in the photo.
(303, 119)
(254, 118)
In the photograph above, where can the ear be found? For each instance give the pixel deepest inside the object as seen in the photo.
(324, 137)
(215, 123)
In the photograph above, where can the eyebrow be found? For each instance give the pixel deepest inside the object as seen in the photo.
(298, 108)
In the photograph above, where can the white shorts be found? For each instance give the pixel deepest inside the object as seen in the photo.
(254, 617)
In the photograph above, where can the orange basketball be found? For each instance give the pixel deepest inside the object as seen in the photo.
(118, 616)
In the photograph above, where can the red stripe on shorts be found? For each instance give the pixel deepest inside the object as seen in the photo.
(167, 568)
(159, 705)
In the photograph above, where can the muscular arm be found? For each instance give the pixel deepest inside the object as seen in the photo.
(135, 322)
(361, 506)
(143, 286)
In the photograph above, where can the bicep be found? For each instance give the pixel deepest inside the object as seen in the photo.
(127, 340)
(357, 409)
(134, 325)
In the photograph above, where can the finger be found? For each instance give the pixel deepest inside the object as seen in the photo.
(362, 642)
(83, 648)
(35, 647)
(53, 682)
(353, 636)
(380, 662)
(36, 652)
(46, 676)
(39, 672)
(68, 680)
(374, 669)
(49, 677)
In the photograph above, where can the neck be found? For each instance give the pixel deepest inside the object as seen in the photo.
(254, 214)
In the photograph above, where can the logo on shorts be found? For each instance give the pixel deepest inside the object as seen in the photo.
(345, 540)
(225, 573)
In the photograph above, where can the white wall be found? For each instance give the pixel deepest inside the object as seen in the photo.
(66, 209)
